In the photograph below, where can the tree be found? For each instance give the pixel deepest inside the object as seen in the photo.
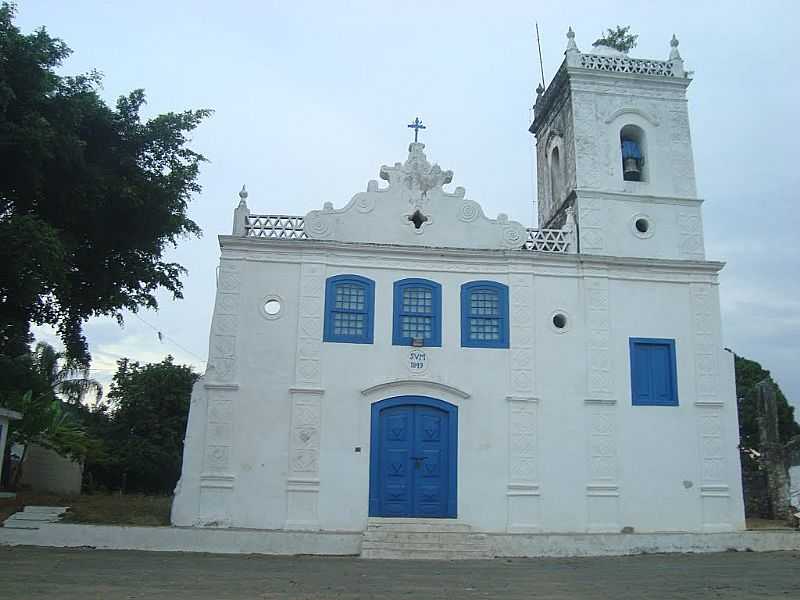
(143, 426)
(45, 423)
(66, 376)
(620, 38)
(90, 195)
(45, 419)
(748, 374)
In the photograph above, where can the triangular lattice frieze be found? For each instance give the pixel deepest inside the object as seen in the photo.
(287, 227)
(291, 227)
(547, 240)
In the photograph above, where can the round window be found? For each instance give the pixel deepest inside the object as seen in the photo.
(272, 307)
(642, 226)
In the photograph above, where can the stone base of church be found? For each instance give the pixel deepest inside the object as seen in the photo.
(348, 543)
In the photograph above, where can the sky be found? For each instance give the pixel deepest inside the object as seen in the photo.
(310, 98)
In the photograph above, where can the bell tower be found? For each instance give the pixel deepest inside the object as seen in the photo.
(613, 142)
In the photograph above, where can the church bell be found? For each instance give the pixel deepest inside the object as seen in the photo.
(631, 171)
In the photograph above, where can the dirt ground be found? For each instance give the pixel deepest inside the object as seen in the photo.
(109, 509)
(37, 573)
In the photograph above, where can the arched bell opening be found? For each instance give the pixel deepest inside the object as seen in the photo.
(555, 176)
(633, 149)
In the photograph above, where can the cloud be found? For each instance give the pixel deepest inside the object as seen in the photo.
(311, 98)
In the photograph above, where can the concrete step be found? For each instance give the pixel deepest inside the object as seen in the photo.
(19, 524)
(423, 548)
(26, 516)
(32, 516)
(379, 532)
(395, 554)
(46, 509)
(417, 525)
(423, 539)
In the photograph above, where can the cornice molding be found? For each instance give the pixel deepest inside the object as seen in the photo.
(634, 197)
(408, 382)
(454, 259)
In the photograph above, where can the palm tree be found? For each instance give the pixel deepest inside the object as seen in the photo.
(68, 378)
(46, 419)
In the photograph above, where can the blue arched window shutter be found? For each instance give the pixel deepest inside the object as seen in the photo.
(417, 312)
(349, 309)
(484, 315)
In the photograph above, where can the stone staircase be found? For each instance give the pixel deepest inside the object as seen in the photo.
(423, 539)
(32, 517)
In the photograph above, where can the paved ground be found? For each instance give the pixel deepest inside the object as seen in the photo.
(32, 573)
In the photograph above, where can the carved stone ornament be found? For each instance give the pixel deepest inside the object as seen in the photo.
(414, 210)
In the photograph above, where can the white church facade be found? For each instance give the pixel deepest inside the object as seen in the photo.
(405, 356)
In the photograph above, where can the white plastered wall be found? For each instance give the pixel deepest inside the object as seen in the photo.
(585, 460)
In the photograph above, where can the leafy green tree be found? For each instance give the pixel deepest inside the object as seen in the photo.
(90, 196)
(748, 374)
(620, 38)
(143, 426)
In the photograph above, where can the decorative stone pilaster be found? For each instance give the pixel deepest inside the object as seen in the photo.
(302, 491)
(521, 299)
(680, 152)
(690, 228)
(524, 512)
(217, 477)
(602, 488)
(523, 473)
(598, 330)
(714, 490)
(592, 220)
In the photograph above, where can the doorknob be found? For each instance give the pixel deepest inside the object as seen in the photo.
(417, 461)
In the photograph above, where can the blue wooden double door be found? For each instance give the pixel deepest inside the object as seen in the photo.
(413, 458)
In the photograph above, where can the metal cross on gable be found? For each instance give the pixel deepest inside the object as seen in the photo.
(416, 126)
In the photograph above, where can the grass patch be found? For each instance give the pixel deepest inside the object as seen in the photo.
(100, 509)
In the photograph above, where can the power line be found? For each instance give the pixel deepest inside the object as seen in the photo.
(162, 336)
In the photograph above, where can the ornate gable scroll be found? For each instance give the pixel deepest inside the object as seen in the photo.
(414, 210)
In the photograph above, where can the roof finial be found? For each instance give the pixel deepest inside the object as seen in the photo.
(673, 53)
(241, 214)
(416, 126)
(571, 45)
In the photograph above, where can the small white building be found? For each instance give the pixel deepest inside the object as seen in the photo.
(6, 416)
(407, 356)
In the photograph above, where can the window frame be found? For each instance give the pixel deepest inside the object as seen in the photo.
(467, 289)
(331, 283)
(436, 311)
(634, 344)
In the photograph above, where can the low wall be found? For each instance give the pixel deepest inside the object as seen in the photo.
(250, 541)
(185, 539)
(46, 472)
(616, 544)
